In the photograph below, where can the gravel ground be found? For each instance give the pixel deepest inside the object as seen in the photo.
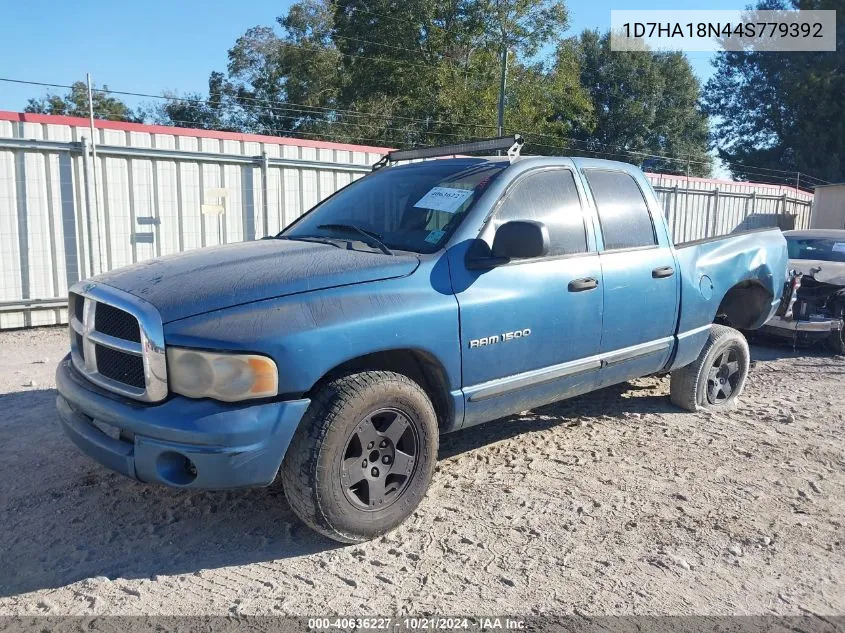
(613, 503)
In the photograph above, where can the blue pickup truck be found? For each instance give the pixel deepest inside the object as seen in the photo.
(424, 298)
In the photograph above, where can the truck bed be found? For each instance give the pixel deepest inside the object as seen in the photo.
(710, 268)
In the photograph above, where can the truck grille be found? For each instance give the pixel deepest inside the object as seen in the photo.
(117, 342)
(121, 367)
(79, 346)
(109, 320)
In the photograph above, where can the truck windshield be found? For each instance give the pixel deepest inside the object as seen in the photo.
(823, 249)
(412, 208)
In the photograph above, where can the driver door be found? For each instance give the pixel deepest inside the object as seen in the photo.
(530, 327)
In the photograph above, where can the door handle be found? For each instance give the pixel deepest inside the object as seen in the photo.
(662, 271)
(579, 285)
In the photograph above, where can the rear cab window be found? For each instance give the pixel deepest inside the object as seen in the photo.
(623, 213)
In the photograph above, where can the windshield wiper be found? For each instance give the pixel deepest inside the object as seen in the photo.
(371, 236)
(331, 241)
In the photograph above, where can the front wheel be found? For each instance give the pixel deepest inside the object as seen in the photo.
(717, 377)
(363, 456)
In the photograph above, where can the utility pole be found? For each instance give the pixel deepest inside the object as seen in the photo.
(502, 86)
(94, 169)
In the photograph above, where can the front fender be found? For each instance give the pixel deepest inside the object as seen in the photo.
(309, 334)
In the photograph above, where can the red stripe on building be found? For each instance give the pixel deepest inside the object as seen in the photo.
(102, 124)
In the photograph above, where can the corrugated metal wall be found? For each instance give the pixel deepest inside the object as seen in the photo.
(153, 191)
(158, 191)
(698, 208)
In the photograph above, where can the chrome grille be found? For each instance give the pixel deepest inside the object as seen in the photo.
(117, 341)
(78, 302)
(77, 338)
(121, 366)
(109, 320)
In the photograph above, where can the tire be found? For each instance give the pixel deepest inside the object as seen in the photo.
(725, 357)
(363, 456)
(836, 342)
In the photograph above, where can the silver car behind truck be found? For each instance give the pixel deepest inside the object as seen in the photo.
(817, 303)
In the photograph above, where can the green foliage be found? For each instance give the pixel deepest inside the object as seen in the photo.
(75, 103)
(642, 102)
(193, 110)
(781, 111)
(425, 72)
(415, 72)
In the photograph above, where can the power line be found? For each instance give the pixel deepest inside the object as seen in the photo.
(262, 103)
(627, 153)
(314, 110)
(301, 108)
(304, 109)
(309, 110)
(278, 131)
(813, 180)
(408, 130)
(323, 113)
(593, 143)
(292, 106)
(35, 83)
(314, 45)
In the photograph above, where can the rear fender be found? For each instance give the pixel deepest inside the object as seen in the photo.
(756, 262)
(740, 276)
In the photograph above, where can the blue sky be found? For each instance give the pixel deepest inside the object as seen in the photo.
(169, 45)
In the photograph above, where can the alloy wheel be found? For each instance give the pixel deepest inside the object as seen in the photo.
(379, 459)
(724, 376)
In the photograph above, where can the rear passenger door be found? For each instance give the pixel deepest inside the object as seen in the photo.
(640, 278)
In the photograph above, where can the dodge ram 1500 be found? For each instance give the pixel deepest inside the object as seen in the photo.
(423, 298)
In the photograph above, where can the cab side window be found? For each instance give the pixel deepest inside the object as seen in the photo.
(550, 197)
(623, 213)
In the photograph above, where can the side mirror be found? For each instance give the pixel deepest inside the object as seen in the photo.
(521, 239)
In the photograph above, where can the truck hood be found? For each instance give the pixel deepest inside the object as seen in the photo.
(830, 273)
(195, 282)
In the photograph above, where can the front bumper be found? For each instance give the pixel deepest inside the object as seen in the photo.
(179, 442)
(789, 327)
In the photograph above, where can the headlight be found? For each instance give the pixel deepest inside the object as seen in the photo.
(227, 377)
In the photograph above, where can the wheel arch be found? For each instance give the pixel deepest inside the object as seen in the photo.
(420, 366)
(745, 305)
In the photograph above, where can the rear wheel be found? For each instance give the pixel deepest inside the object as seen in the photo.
(717, 377)
(363, 456)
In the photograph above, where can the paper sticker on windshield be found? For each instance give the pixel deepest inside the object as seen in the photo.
(434, 237)
(444, 199)
(839, 247)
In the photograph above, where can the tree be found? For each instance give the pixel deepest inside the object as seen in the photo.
(195, 111)
(412, 73)
(426, 72)
(781, 111)
(643, 104)
(438, 64)
(284, 83)
(75, 103)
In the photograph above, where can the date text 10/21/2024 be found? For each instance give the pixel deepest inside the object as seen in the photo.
(431, 623)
